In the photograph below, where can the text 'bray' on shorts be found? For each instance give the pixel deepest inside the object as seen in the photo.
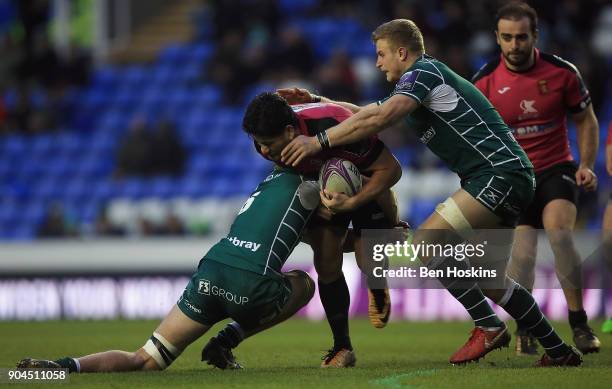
(217, 291)
(505, 192)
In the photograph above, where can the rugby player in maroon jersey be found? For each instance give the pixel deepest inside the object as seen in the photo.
(534, 91)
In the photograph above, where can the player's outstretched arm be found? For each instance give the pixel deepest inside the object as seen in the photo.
(370, 120)
(304, 96)
(588, 144)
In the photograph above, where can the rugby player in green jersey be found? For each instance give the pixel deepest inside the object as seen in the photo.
(240, 278)
(272, 123)
(497, 180)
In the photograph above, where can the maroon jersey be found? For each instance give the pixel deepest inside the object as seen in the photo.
(534, 103)
(609, 141)
(318, 117)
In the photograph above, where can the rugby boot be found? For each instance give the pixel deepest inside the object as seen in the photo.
(379, 307)
(572, 358)
(585, 339)
(341, 357)
(481, 342)
(30, 363)
(217, 355)
(526, 344)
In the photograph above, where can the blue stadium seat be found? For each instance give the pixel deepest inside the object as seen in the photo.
(199, 53)
(42, 144)
(134, 75)
(24, 232)
(102, 190)
(297, 7)
(34, 212)
(15, 145)
(163, 187)
(48, 189)
(76, 190)
(194, 185)
(173, 54)
(133, 188)
(105, 78)
(9, 213)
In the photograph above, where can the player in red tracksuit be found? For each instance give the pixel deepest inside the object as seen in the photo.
(534, 91)
(273, 123)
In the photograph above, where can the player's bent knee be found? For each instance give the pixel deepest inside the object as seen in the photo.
(304, 282)
(162, 352)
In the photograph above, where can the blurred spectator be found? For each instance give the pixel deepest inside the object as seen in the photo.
(228, 69)
(104, 227)
(167, 151)
(3, 114)
(336, 79)
(34, 17)
(171, 226)
(57, 224)
(292, 57)
(75, 66)
(135, 154)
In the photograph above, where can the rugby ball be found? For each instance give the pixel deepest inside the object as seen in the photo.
(340, 175)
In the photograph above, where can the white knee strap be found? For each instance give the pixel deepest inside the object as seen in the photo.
(449, 210)
(162, 351)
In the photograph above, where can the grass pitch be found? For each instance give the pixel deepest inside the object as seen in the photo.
(403, 355)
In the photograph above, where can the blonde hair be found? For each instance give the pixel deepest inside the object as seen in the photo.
(401, 33)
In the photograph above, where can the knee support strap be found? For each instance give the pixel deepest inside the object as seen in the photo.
(162, 351)
(450, 211)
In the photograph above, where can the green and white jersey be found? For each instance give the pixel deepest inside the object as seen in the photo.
(269, 224)
(457, 122)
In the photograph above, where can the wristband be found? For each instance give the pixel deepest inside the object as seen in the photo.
(323, 140)
(315, 98)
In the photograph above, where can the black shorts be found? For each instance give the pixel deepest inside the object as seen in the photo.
(371, 217)
(556, 182)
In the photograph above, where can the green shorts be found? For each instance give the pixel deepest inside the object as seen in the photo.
(217, 291)
(506, 193)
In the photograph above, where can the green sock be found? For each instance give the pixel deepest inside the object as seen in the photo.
(524, 309)
(69, 363)
(469, 295)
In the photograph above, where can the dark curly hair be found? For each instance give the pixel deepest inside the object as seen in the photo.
(267, 115)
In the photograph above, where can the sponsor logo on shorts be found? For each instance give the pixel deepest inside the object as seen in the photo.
(210, 289)
(204, 287)
(568, 178)
(491, 197)
(378, 216)
(191, 306)
(428, 135)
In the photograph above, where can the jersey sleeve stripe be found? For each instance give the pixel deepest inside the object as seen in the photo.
(297, 213)
(460, 116)
(284, 243)
(295, 195)
(291, 228)
(423, 85)
(409, 94)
